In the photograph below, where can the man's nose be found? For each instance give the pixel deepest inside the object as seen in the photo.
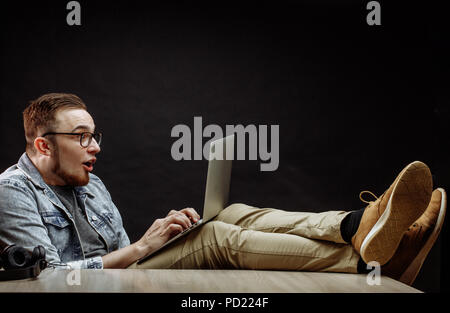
(94, 147)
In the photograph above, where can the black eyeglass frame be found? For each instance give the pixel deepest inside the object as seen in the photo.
(92, 135)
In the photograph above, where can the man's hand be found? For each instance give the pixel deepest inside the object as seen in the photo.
(165, 228)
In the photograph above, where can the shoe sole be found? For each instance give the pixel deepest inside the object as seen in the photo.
(409, 199)
(410, 274)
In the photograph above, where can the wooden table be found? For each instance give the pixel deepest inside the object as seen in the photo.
(199, 281)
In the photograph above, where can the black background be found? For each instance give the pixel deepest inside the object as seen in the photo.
(355, 103)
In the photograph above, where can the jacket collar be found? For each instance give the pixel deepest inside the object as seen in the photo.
(33, 174)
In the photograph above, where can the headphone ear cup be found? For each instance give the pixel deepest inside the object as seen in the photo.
(37, 255)
(15, 257)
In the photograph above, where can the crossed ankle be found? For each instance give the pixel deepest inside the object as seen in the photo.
(350, 224)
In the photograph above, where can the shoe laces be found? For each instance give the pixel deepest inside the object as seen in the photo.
(370, 193)
(375, 202)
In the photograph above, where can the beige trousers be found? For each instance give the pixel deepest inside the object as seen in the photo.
(245, 237)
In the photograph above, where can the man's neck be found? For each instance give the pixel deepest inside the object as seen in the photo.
(44, 166)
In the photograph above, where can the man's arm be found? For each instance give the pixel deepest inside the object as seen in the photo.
(158, 234)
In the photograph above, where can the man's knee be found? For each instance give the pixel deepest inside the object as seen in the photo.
(212, 227)
(234, 212)
(217, 231)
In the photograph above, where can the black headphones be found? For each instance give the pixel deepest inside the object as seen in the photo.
(19, 263)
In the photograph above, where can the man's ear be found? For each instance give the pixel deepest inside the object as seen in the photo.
(43, 146)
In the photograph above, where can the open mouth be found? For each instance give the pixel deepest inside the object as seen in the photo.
(89, 166)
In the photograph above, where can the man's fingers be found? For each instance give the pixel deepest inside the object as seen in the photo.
(191, 213)
(179, 219)
(171, 230)
(172, 212)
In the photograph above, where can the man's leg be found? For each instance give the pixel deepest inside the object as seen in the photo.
(320, 226)
(334, 226)
(220, 245)
(374, 232)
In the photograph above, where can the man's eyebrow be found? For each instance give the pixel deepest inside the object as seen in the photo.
(86, 127)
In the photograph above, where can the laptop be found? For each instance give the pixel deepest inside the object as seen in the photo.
(220, 158)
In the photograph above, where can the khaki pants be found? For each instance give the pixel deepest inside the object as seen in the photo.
(244, 237)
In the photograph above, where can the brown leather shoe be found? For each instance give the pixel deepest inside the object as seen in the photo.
(418, 241)
(385, 220)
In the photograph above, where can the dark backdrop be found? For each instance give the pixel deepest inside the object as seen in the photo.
(355, 103)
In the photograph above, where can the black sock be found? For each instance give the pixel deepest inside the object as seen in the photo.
(350, 224)
(362, 267)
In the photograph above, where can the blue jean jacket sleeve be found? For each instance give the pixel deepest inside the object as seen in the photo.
(91, 263)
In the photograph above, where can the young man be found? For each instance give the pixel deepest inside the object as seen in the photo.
(51, 198)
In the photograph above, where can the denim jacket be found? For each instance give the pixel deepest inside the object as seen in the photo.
(31, 215)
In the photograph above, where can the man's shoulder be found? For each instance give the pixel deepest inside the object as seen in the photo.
(13, 176)
(14, 185)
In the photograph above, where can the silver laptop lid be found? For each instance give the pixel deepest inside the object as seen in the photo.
(221, 154)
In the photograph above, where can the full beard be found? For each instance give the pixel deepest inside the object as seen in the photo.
(69, 178)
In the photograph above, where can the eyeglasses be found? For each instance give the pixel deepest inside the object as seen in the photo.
(85, 137)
